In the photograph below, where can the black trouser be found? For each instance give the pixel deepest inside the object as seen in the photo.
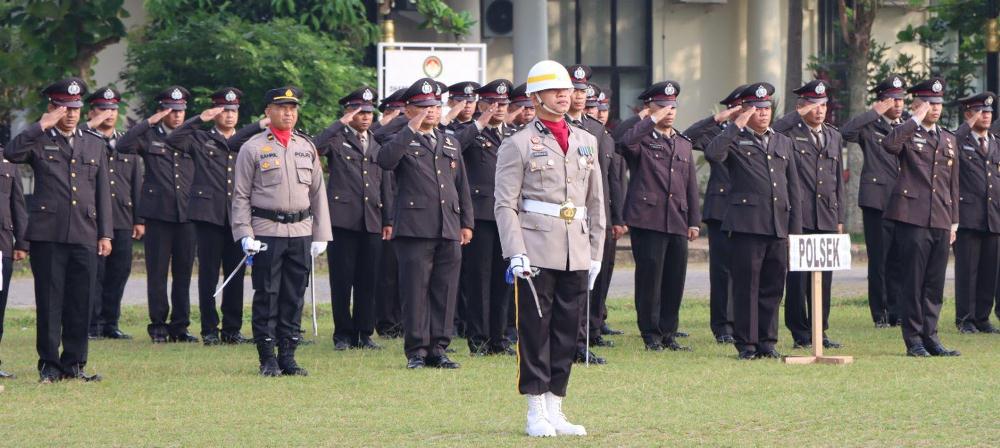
(428, 280)
(112, 275)
(484, 287)
(798, 301)
(720, 305)
(169, 246)
(660, 270)
(64, 277)
(977, 255)
(883, 277)
(599, 296)
(923, 259)
(8, 269)
(546, 345)
(217, 250)
(757, 268)
(280, 275)
(388, 310)
(354, 259)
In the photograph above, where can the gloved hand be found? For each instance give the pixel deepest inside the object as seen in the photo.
(520, 266)
(595, 268)
(250, 245)
(318, 247)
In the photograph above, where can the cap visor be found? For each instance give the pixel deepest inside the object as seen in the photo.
(602, 107)
(424, 103)
(285, 101)
(366, 108)
(173, 106)
(105, 106)
(758, 104)
(462, 97)
(70, 104)
(815, 100)
(665, 103)
(592, 104)
(932, 99)
(893, 95)
(231, 107)
(522, 103)
(580, 86)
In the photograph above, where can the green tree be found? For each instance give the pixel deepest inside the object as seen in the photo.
(209, 51)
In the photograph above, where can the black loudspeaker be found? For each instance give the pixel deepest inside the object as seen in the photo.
(497, 18)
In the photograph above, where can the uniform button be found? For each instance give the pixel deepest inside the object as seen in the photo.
(671, 170)
(43, 207)
(177, 187)
(774, 198)
(411, 204)
(905, 191)
(177, 154)
(874, 179)
(722, 190)
(569, 179)
(366, 172)
(366, 198)
(349, 157)
(229, 181)
(768, 157)
(934, 176)
(230, 157)
(442, 201)
(74, 202)
(819, 195)
(442, 185)
(72, 161)
(772, 170)
(74, 188)
(366, 184)
(744, 201)
(933, 190)
(477, 191)
(670, 195)
(112, 182)
(821, 168)
(338, 197)
(176, 176)
(113, 195)
(72, 174)
(644, 198)
(439, 171)
(176, 165)
(111, 170)
(774, 184)
(229, 169)
(229, 194)
(821, 182)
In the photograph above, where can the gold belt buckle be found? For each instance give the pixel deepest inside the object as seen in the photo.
(567, 211)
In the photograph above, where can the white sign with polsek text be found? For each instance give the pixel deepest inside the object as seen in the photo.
(819, 252)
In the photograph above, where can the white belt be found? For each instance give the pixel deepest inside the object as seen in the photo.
(566, 211)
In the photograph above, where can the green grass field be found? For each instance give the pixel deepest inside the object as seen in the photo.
(190, 395)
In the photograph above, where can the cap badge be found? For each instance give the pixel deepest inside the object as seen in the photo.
(230, 96)
(590, 91)
(426, 88)
(988, 101)
(109, 94)
(579, 73)
(502, 88)
(937, 87)
(468, 89)
(73, 89)
(820, 89)
(601, 96)
(176, 94)
(897, 83)
(761, 91)
(670, 90)
(288, 92)
(367, 95)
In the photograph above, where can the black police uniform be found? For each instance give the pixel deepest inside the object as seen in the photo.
(113, 271)
(69, 213)
(13, 228)
(170, 235)
(388, 308)
(359, 194)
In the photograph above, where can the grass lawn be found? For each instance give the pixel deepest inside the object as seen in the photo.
(190, 395)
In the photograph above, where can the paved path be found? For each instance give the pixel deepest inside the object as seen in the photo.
(851, 283)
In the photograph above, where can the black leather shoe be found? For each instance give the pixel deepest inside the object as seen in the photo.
(988, 329)
(802, 344)
(675, 347)
(211, 339)
(746, 355)
(415, 362)
(449, 350)
(235, 338)
(581, 358)
(366, 343)
(601, 342)
(441, 362)
(772, 354)
(270, 367)
(608, 331)
(830, 343)
(77, 373)
(7, 375)
(341, 345)
(681, 334)
(49, 374)
(917, 351)
(184, 337)
(115, 334)
(654, 346)
(967, 328)
(940, 350)
(882, 322)
(159, 339)
(724, 339)
(94, 335)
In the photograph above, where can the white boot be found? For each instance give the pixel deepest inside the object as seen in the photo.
(538, 425)
(553, 409)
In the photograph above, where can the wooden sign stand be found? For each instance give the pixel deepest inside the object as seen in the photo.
(817, 330)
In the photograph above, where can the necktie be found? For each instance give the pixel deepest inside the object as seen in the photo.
(818, 138)
(364, 142)
(982, 146)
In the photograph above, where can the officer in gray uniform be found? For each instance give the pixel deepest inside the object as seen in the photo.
(279, 200)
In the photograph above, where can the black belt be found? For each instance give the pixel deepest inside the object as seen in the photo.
(281, 217)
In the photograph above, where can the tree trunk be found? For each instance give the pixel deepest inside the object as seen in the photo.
(793, 62)
(857, 32)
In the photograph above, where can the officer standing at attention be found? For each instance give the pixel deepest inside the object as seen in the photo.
(279, 201)
(550, 207)
(925, 207)
(817, 150)
(523, 109)
(764, 209)
(878, 178)
(359, 193)
(125, 172)
(977, 244)
(603, 108)
(462, 105)
(170, 236)
(13, 245)
(483, 284)
(701, 133)
(433, 219)
(71, 223)
(214, 152)
(662, 214)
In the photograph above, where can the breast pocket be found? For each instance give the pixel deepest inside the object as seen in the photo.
(7, 179)
(303, 168)
(540, 172)
(90, 167)
(270, 173)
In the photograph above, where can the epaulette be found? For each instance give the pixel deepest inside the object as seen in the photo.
(681, 135)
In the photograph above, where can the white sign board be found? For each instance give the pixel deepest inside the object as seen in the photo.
(819, 252)
(400, 64)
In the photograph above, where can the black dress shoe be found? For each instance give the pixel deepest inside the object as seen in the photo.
(940, 350)
(211, 339)
(988, 329)
(366, 343)
(115, 334)
(159, 339)
(830, 343)
(681, 334)
(724, 339)
(882, 322)
(746, 355)
(49, 375)
(608, 331)
(601, 342)
(917, 351)
(967, 328)
(673, 346)
(94, 335)
(77, 373)
(442, 362)
(772, 354)
(654, 346)
(7, 375)
(415, 362)
(449, 350)
(341, 345)
(184, 337)
(269, 368)
(235, 338)
(581, 358)
(802, 344)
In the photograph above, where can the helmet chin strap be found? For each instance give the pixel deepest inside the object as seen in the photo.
(546, 106)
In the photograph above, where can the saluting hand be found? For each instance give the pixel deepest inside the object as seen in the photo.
(104, 247)
(349, 114)
(209, 114)
(466, 236)
(49, 119)
(804, 109)
(455, 110)
(511, 116)
(388, 116)
(99, 118)
(659, 114)
(919, 110)
(744, 117)
(975, 117)
(643, 113)
(418, 119)
(265, 122)
(883, 105)
(158, 116)
(726, 114)
(486, 116)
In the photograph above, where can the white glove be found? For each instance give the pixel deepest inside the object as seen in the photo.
(520, 266)
(250, 245)
(595, 268)
(317, 248)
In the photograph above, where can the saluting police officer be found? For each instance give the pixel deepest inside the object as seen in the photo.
(764, 209)
(523, 109)
(388, 310)
(484, 288)
(662, 213)
(701, 133)
(71, 223)
(359, 192)
(13, 245)
(603, 108)
(462, 105)
(550, 207)
(925, 207)
(817, 150)
(214, 152)
(170, 236)
(977, 244)
(125, 172)
(279, 201)
(878, 178)
(433, 218)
